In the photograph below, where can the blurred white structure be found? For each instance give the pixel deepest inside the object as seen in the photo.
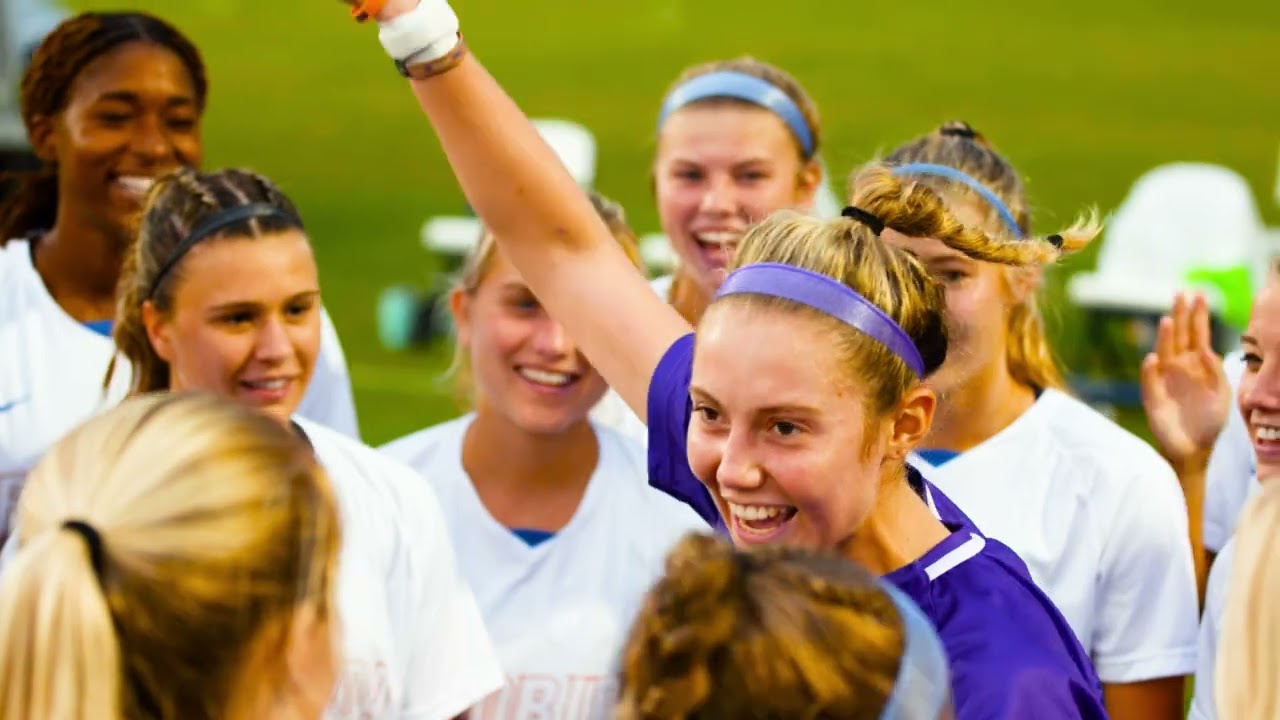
(573, 143)
(1182, 225)
(23, 24)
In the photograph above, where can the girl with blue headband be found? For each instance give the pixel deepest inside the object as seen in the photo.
(737, 140)
(1093, 510)
(779, 632)
(791, 422)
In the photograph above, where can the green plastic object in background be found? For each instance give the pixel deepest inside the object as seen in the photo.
(1236, 287)
(397, 315)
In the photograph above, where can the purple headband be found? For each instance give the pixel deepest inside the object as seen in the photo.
(827, 296)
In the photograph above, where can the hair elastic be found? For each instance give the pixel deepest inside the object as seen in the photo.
(92, 540)
(741, 86)
(951, 173)
(214, 223)
(827, 296)
(923, 687)
(871, 220)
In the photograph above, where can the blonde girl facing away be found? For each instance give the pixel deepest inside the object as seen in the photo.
(787, 418)
(1093, 510)
(177, 562)
(557, 531)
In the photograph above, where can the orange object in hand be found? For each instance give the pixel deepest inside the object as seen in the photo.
(366, 9)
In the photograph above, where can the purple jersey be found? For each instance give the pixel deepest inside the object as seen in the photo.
(1012, 653)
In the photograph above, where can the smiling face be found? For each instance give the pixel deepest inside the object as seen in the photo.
(244, 321)
(131, 115)
(783, 440)
(721, 167)
(1259, 392)
(524, 366)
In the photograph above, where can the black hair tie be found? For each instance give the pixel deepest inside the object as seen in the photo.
(864, 217)
(1055, 240)
(959, 129)
(91, 539)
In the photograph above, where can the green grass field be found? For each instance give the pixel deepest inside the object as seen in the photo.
(1083, 96)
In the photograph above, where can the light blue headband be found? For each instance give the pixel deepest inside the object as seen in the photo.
(923, 688)
(953, 174)
(740, 86)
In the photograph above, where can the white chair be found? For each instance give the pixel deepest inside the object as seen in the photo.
(1182, 225)
(455, 235)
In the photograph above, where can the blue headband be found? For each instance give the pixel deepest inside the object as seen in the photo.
(923, 687)
(740, 86)
(953, 174)
(827, 296)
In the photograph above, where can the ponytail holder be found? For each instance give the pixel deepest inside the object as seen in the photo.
(1055, 240)
(92, 540)
(963, 131)
(866, 218)
(366, 9)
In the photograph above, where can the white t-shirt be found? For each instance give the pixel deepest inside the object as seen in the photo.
(1232, 473)
(414, 641)
(1101, 522)
(558, 610)
(1203, 706)
(612, 411)
(52, 368)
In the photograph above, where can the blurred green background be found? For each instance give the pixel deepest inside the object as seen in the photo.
(1083, 96)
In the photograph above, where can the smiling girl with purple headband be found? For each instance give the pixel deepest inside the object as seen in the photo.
(793, 416)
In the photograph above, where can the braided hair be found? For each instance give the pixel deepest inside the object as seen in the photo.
(765, 633)
(46, 91)
(177, 203)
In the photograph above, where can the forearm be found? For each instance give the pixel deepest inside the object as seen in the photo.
(1191, 476)
(512, 179)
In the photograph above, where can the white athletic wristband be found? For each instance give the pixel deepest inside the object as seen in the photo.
(427, 32)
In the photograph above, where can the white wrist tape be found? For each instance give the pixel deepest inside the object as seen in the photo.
(427, 32)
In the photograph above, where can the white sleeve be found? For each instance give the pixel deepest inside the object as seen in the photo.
(1148, 606)
(328, 400)
(1231, 468)
(1202, 702)
(452, 664)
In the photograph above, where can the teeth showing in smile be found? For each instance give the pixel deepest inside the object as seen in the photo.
(717, 238)
(545, 377)
(136, 185)
(1267, 433)
(267, 384)
(756, 512)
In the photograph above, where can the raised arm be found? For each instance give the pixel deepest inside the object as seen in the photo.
(1187, 396)
(539, 216)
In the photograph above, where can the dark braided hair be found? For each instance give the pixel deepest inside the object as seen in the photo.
(177, 203)
(46, 88)
(767, 633)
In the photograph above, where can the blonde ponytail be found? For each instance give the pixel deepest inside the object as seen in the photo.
(60, 656)
(211, 522)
